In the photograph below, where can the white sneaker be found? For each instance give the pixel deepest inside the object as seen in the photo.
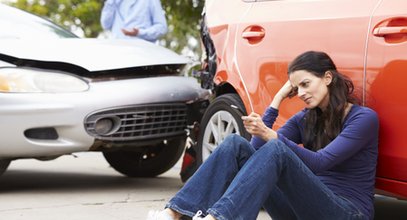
(198, 215)
(159, 215)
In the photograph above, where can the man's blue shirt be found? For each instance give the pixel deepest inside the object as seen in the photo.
(146, 15)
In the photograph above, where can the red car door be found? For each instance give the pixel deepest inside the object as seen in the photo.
(386, 83)
(272, 33)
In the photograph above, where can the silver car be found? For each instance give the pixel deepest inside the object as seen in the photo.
(61, 94)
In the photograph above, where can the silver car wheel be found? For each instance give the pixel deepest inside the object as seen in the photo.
(220, 125)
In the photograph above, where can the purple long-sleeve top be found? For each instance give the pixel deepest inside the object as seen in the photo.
(347, 165)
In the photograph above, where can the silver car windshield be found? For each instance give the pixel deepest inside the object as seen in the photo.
(18, 24)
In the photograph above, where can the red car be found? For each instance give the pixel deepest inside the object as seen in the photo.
(250, 43)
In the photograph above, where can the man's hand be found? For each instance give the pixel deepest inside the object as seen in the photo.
(132, 32)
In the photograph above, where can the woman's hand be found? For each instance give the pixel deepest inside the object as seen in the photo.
(284, 92)
(255, 126)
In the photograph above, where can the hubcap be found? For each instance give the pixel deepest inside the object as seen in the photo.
(220, 125)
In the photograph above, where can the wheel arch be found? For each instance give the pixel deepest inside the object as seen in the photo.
(226, 87)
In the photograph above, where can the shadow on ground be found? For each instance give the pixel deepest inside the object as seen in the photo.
(23, 180)
(390, 208)
(45, 181)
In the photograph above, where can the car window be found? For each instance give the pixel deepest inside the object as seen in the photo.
(17, 24)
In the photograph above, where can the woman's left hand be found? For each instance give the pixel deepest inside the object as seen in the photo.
(285, 91)
(254, 124)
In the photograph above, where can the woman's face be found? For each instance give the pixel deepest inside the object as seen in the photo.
(312, 89)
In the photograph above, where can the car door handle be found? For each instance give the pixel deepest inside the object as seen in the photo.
(384, 31)
(253, 34)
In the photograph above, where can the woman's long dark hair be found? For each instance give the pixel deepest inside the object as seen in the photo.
(321, 127)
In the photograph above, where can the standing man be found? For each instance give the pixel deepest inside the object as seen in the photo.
(127, 19)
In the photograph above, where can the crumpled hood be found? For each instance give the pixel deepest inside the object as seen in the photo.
(92, 54)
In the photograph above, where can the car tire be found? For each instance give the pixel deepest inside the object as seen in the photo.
(154, 161)
(220, 116)
(4, 165)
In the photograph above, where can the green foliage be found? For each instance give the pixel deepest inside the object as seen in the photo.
(71, 14)
(183, 22)
(182, 17)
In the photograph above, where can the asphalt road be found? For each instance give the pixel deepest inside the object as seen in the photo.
(85, 187)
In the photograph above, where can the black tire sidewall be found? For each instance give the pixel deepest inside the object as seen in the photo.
(131, 164)
(4, 165)
(221, 103)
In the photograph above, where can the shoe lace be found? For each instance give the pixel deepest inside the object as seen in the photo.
(197, 215)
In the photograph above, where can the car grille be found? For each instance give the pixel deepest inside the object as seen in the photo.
(140, 122)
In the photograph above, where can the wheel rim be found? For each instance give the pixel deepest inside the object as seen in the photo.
(219, 126)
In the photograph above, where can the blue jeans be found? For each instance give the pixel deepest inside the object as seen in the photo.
(236, 181)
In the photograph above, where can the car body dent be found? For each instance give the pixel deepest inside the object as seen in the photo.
(66, 112)
(119, 74)
(91, 54)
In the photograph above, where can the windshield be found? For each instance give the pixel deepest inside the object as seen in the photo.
(17, 24)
